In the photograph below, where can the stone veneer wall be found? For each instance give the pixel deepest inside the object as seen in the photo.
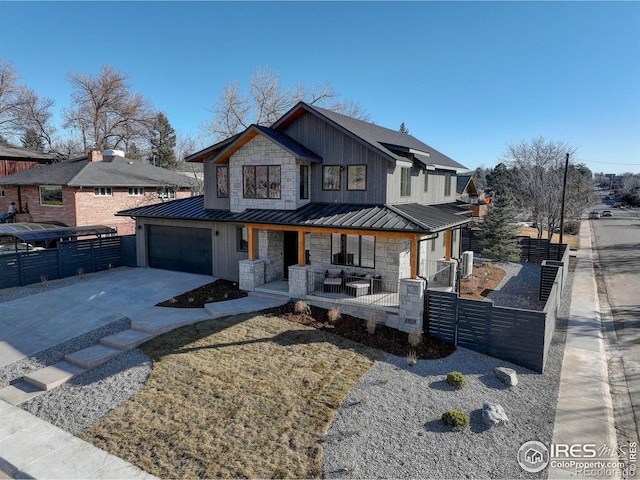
(391, 258)
(271, 250)
(262, 151)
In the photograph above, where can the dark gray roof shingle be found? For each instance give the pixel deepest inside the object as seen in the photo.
(120, 172)
(19, 153)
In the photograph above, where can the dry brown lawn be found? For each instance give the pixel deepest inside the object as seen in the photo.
(572, 240)
(245, 396)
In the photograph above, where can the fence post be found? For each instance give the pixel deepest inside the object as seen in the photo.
(20, 272)
(60, 272)
(93, 257)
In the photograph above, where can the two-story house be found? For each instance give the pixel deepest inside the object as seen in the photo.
(318, 200)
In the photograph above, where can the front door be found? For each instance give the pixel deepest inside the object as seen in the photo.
(290, 246)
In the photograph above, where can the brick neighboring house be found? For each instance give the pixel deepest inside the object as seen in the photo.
(347, 212)
(90, 190)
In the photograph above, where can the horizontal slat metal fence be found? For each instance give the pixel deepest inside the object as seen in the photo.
(532, 249)
(68, 259)
(511, 334)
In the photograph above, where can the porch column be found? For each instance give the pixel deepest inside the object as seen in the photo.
(414, 257)
(251, 274)
(447, 252)
(299, 281)
(411, 296)
(251, 239)
(301, 249)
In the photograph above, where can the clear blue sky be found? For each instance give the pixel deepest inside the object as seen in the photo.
(466, 77)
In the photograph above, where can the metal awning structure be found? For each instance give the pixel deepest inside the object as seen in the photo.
(30, 232)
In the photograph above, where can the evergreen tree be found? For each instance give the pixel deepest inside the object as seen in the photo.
(32, 141)
(498, 179)
(498, 232)
(403, 129)
(163, 142)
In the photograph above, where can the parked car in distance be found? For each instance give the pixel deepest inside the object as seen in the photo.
(593, 215)
(607, 213)
(617, 205)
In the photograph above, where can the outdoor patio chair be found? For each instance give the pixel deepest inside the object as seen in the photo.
(333, 280)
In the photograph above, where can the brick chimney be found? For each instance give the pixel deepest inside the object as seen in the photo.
(95, 156)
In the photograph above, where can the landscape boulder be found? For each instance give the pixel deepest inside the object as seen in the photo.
(506, 375)
(493, 414)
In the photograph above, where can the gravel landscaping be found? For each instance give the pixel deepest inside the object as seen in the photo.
(387, 427)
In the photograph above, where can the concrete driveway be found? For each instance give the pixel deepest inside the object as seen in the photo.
(35, 323)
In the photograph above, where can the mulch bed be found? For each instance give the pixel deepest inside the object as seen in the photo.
(384, 338)
(217, 291)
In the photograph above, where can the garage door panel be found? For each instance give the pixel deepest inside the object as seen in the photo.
(180, 248)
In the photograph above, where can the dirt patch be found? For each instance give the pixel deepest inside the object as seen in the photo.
(484, 280)
(217, 291)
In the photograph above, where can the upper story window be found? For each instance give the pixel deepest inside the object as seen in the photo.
(222, 181)
(331, 176)
(447, 184)
(102, 192)
(166, 193)
(426, 180)
(304, 182)
(51, 195)
(1, 192)
(136, 191)
(356, 177)
(261, 181)
(405, 182)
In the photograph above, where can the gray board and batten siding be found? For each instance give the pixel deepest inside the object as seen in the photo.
(222, 237)
(338, 148)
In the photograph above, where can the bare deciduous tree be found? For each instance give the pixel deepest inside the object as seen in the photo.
(536, 173)
(10, 97)
(105, 112)
(267, 100)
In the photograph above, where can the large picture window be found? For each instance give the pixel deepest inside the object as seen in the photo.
(222, 181)
(353, 250)
(51, 195)
(405, 182)
(357, 177)
(261, 181)
(331, 177)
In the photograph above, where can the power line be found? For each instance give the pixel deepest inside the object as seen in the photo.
(609, 163)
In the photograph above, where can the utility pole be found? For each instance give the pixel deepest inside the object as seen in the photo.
(564, 188)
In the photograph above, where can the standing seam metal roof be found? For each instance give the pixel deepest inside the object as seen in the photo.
(411, 218)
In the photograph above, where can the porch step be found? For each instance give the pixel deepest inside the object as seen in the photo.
(126, 339)
(269, 294)
(93, 356)
(53, 376)
(19, 392)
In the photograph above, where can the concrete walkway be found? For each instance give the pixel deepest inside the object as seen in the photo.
(584, 412)
(33, 448)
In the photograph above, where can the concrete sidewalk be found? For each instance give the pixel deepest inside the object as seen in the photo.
(584, 412)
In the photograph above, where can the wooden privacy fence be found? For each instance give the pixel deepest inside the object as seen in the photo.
(68, 259)
(519, 336)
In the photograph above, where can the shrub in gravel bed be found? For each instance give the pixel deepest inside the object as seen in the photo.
(455, 418)
(456, 380)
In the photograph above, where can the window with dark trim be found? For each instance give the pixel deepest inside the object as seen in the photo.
(331, 175)
(304, 182)
(356, 177)
(426, 180)
(353, 250)
(242, 239)
(222, 181)
(51, 195)
(261, 181)
(405, 182)
(447, 184)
